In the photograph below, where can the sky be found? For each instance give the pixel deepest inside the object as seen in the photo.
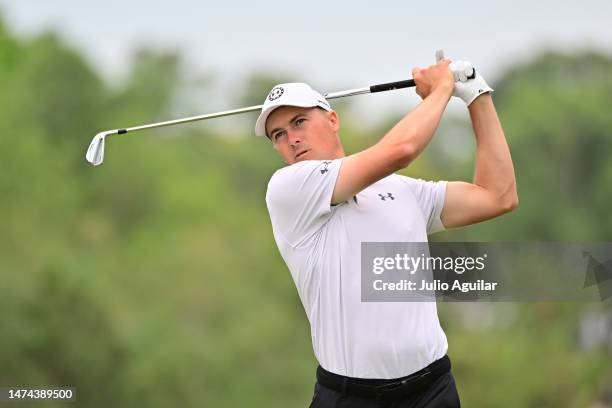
(331, 45)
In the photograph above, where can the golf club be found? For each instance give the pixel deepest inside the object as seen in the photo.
(95, 152)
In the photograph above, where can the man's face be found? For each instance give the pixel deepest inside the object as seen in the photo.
(304, 133)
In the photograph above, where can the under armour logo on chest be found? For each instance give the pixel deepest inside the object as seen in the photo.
(384, 197)
(324, 167)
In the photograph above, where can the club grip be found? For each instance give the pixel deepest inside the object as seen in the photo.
(389, 86)
(408, 83)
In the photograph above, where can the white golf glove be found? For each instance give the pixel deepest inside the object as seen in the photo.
(466, 89)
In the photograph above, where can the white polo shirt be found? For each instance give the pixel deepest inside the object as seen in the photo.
(321, 245)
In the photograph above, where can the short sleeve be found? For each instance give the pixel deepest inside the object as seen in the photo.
(299, 198)
(430, 195)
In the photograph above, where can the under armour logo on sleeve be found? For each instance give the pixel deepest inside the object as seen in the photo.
(384, 197)
(324, 167)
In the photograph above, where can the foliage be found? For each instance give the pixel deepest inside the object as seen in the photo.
(154, 279)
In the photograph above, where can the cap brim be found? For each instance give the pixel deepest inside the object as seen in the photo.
(260, 125)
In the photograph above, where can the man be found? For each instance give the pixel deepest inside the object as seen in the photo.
(324, 204)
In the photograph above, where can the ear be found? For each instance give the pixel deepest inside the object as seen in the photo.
(334, 120)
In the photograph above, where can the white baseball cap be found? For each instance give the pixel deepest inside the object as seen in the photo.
(291, 94)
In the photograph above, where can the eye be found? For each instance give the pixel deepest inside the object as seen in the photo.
(278, 134)
(299, 121)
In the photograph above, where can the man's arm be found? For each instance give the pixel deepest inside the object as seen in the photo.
(405, 141)
(493, 191)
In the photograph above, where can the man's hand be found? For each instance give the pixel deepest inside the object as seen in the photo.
(438, 76)
(468, 89)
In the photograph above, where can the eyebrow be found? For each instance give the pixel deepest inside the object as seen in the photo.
(271, 133)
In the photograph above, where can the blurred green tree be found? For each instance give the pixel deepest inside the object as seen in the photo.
(156, 277)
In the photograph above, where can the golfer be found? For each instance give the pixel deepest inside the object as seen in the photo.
(324, 204)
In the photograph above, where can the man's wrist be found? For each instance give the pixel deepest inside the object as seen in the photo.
(444, 89)
(480, 101)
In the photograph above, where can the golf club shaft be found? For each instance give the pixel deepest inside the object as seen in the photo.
(389, 86)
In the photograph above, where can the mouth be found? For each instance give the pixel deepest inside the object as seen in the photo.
(301, 154)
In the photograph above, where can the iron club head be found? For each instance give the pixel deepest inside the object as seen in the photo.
(95, 152)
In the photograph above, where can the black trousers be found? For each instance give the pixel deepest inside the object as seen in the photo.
(442, 393)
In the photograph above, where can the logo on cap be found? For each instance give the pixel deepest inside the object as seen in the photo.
(276, 93)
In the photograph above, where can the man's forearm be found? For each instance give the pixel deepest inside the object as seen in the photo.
(417, 128)
(494, 169)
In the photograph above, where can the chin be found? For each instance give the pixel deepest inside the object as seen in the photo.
(305, 156)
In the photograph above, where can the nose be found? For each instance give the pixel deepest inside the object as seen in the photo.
(294, 137)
